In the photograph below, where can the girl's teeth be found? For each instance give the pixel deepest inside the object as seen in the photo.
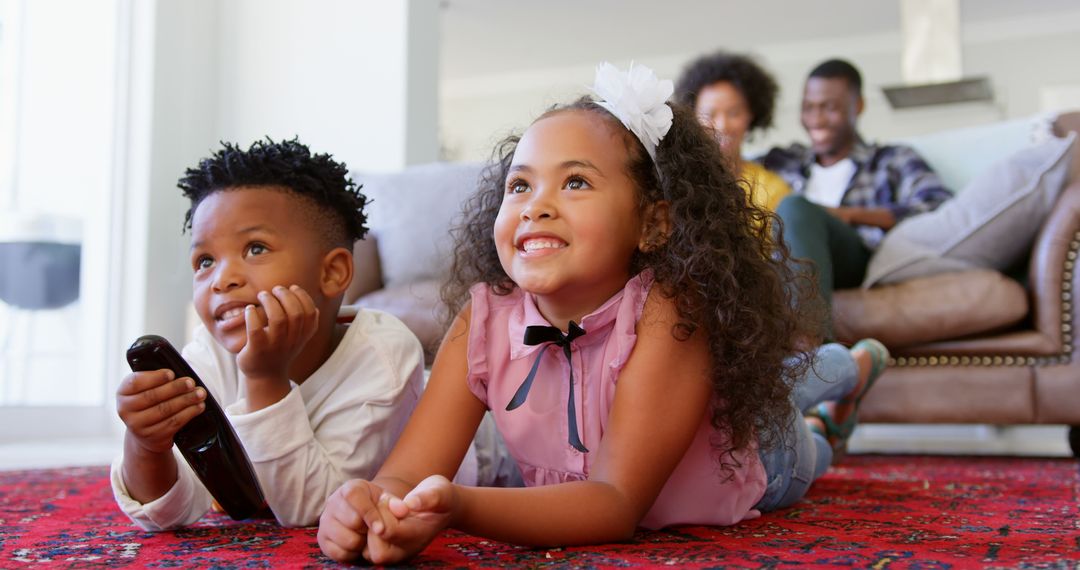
(536, 244)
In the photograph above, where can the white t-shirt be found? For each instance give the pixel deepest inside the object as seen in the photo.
(339, 424)
(827, 184)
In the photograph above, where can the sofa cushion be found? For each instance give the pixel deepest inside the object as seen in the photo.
(959, 155)
(416, 304)
(411, 213)
(928, 309)
(990, 224)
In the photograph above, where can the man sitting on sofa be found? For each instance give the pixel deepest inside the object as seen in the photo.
(847, 193)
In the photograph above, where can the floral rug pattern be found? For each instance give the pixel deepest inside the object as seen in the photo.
(872, 512)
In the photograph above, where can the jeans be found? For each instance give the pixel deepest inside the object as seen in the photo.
(802, 455)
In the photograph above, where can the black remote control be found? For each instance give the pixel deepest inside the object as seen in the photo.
(208, 441)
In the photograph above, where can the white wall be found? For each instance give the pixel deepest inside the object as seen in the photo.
(356, 79)
(1021, 55)
(169, 120)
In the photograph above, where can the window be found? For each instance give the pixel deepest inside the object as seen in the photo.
(9, 50)
(58, 99)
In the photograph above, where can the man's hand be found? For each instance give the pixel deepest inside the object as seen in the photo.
(273, 344)
(842, 213)
(154, 405)
(853, 215)
(410, 524)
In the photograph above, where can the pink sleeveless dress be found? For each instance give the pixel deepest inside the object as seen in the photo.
(537, 432)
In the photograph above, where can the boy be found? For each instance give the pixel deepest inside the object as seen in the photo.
(315, 401)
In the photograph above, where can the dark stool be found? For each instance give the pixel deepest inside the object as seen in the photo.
(34, 276)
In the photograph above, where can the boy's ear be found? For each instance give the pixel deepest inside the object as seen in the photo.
(337, 272)
(655, 226)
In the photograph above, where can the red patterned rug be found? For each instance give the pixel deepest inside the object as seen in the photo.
(873, 512)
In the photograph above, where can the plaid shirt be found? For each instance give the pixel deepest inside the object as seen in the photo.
(893, 177)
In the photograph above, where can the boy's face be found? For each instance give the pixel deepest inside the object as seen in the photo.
(246, 240)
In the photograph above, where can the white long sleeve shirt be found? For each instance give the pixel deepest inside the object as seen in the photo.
(339, 424)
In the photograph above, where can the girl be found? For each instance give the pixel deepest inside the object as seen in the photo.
(627, 326)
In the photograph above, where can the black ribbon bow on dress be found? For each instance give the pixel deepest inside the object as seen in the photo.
(538, 334)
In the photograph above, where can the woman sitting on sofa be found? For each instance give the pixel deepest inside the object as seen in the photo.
(734, 96)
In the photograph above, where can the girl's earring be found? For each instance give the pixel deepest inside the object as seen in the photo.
(652, 243)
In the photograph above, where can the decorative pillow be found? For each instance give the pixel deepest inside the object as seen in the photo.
(990, 224)
(411, 213)
(928, 309)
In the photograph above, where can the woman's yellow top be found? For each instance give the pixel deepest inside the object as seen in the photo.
(766, 187)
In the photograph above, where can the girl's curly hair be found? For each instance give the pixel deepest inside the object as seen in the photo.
(756, 85)
(317, 178)
(727, 275)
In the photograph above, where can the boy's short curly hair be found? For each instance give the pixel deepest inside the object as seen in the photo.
(317, 178)
(742, 72)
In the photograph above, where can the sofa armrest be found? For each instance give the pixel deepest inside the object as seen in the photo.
(1066, 123)
(367, 270)
(1051, 275)
(1053, 266)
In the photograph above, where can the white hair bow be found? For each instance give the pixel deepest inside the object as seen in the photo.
(638, 99)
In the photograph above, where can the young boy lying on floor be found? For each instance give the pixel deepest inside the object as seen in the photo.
(317, 393)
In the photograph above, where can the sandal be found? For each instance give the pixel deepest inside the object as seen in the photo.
(816, 427)
(879, 359)
(837, 434)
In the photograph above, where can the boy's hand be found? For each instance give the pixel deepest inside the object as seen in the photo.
(349, 513)
(410, 524)
(291, 320)
(154, 406)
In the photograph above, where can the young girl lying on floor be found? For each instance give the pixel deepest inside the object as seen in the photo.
(629, 323)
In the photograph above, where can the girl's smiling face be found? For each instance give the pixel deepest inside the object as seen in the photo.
(570, 218)
(247, 240)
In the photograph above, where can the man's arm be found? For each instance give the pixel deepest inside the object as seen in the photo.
(916, 188)
(883, 218)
